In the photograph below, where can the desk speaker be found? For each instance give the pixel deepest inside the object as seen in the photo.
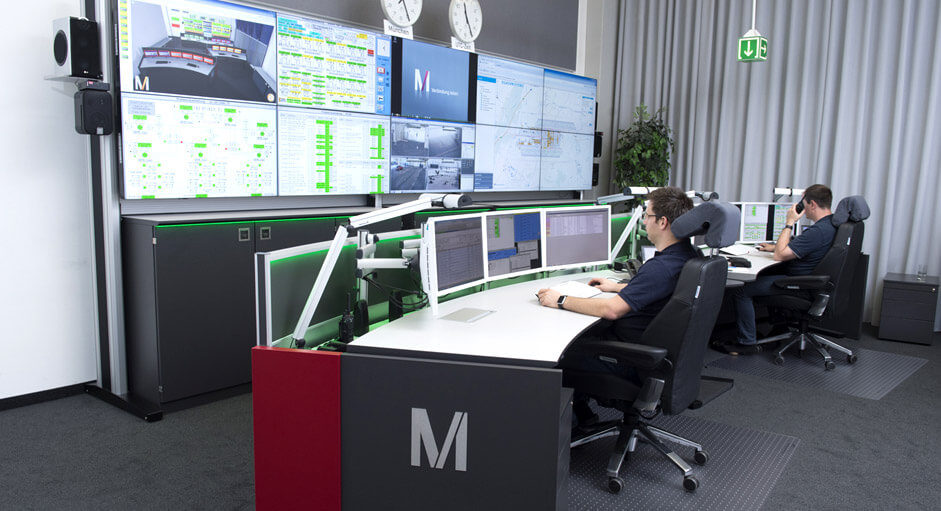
(76, 48)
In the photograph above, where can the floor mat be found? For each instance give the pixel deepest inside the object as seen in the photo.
(874, 375)
(743, 467)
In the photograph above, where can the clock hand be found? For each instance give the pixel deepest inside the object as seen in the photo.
(467, 19)
(406, 10)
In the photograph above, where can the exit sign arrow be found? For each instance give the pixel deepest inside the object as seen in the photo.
(752, 49)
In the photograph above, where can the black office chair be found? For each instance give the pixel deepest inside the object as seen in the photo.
(825, 292)
(670, 358)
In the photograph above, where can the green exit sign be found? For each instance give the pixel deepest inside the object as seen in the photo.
(752, 49)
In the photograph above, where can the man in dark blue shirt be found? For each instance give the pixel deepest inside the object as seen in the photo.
(800, 255)
(637, 302)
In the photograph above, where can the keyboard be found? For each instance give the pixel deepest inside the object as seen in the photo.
(577, 289)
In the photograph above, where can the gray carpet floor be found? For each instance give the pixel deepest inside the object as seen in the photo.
(854, 453)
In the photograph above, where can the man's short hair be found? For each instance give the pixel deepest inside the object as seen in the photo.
(669, 202)
(820, 194)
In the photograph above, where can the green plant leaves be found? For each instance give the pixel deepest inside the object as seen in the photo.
(642, 157)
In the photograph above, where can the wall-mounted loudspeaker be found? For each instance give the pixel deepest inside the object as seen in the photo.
(597, 149)
(595, 168)
(93, 112)
(76, 48)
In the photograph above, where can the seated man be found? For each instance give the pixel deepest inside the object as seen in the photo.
(637, 302)
(801, 254)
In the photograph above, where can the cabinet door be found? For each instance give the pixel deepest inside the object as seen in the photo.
(205, 307)
(277, 234)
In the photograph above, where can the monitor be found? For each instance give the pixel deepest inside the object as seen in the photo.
(325, 65)
(177, 147)
(322, 152)
(452, 254)
(577, 236)
(431, 156)
(198, 48)
(507, 159)
(762, 222)
(566, 161)
(569, 103)
(508, 93)
(431, 81)
(514, 243)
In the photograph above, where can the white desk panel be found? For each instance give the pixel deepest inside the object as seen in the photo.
(759, 261)
(519, 328)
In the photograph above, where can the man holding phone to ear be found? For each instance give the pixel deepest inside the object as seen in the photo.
(800, 254)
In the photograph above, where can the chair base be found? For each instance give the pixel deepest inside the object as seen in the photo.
(820, 343)
(631, 430)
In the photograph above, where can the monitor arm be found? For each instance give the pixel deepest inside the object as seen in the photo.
(424, 201)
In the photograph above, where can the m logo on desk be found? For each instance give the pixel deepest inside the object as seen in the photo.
(423, 436)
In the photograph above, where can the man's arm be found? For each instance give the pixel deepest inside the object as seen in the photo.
(608, 308)
(782, 252)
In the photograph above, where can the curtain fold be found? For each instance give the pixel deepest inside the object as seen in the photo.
(850, 96)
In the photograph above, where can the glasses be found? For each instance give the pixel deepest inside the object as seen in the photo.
(644, 216)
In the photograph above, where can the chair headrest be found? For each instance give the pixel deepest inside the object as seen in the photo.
(718, 221)
(853, 208)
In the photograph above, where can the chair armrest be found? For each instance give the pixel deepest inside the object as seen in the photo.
(627, 354)
(804, 282)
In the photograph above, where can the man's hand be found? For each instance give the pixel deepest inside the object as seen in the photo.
(605, 285)
(549, 297)
(793, 216)
(765, 247)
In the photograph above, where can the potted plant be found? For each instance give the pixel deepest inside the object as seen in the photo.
(643, 152)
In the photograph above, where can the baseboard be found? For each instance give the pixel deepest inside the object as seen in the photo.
(42, 396)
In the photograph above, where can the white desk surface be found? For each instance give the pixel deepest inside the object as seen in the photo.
(519, 328)
(759, 261)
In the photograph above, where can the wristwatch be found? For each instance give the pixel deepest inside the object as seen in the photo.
(562, 301)
(788, 226)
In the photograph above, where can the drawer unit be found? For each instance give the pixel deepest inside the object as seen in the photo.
(908, 308)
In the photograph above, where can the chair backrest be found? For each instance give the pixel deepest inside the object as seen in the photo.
(839, 263)
(684, 325)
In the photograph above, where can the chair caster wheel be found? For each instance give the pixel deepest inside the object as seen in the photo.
(779, 360)
(829, 365)
(690, 483)
(701, 457)
(851, 359)
(615, 484)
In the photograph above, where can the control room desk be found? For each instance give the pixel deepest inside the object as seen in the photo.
(760, 261)
(423, 413)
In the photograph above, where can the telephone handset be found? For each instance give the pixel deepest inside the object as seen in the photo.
(630, 266)
(800, 206)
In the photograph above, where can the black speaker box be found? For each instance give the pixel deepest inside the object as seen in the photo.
(76, 48)
(597, 150)
(594, 174)
(93, 112)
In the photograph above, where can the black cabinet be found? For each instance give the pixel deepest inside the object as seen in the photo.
(189, 298)
(908, 308)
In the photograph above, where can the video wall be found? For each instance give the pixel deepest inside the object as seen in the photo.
(225, 100)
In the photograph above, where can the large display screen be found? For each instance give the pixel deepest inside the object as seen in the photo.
(220, 99)
(324, 65)
(566, 161)
(323, 152)
(433, 82)
(194, 147)
(577, 236)
(569, 103)
(431, 156)
(508, 93)
(507, 159)
(198, 48)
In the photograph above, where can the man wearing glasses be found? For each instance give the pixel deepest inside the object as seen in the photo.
(637, 302)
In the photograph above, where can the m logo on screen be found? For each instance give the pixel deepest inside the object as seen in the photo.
(422, 84)
(424, 437)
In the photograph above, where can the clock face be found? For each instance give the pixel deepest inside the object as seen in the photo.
(401, 12)
(466, 19)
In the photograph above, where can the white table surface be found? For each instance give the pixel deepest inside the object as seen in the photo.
(759, 261)
(518, 328)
